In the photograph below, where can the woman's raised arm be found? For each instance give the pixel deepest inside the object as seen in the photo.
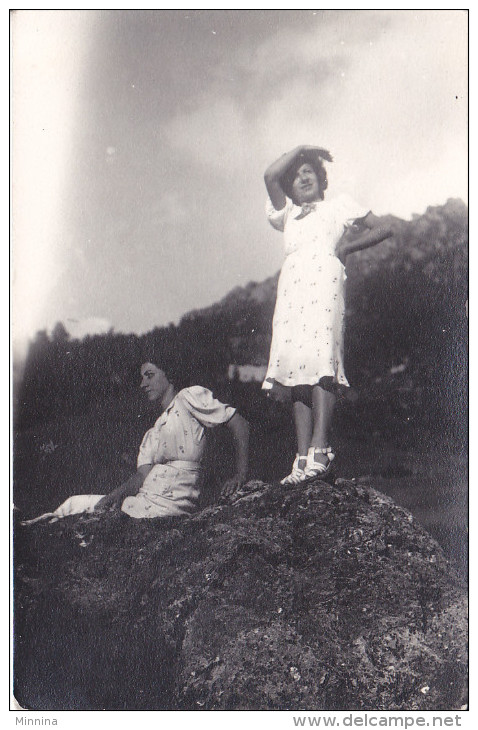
(275, 171)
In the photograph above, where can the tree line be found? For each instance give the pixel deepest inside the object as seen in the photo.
(405, 311)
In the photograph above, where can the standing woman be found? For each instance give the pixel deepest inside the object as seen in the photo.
(307, 342)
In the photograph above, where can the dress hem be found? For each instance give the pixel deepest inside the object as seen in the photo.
(269, 383)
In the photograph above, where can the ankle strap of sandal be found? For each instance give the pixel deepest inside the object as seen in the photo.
(327, 450)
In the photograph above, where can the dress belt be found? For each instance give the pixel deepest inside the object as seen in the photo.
(191, 465)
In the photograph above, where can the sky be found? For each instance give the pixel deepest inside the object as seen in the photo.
(139, 140)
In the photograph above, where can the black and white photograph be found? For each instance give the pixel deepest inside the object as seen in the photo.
(239, 385)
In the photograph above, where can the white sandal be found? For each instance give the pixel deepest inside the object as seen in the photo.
(297, 475)
(315, 469)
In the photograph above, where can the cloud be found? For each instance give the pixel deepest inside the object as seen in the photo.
(389, 99)
(392, 108)
(214, 133)
(164, 180)
(168, 209)
(79, 328)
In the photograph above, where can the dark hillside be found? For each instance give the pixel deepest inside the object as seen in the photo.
(79, 418)
(405, 307)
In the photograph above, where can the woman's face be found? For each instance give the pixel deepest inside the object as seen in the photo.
(305, 187)
(153, 381)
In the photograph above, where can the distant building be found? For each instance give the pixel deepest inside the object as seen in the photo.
(247, 373)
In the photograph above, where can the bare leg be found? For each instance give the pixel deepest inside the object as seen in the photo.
(303, 428)
(323, 403)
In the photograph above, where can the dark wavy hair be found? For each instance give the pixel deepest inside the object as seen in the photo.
(313, 159)
(171, 361)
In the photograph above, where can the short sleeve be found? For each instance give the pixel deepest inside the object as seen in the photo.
(147, 449)
(277, 218)
(206, 409)
(350, 211)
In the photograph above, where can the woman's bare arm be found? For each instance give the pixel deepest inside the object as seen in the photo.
(374, 233)
(127, 489)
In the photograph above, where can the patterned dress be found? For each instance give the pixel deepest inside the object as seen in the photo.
(308, 323)
(175, 446)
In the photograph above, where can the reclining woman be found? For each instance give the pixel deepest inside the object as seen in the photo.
(167, 481)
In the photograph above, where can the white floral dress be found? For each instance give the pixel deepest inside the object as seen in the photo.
(175, 446)
(308, 323)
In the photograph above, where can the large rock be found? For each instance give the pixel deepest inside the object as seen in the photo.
(316, 598)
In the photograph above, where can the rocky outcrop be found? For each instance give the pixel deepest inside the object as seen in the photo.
(325, 597)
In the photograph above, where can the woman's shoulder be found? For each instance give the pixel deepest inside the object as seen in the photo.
(195, 396)
(194, 391)
(202, 405)
(346, 207)
(339, 199)
(278, 218)
(344, 199)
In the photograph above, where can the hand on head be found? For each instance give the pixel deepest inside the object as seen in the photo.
(319, 151)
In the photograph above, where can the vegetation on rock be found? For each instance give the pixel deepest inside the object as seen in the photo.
(325, 597)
